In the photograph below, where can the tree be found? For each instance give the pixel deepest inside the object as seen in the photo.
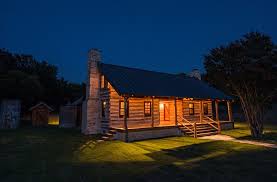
(23, 77)
(247, 69)
(19, 85)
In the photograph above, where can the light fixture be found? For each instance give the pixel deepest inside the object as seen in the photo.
(161, 106)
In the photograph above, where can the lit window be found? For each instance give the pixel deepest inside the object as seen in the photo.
(205, 107)
(121, 109)
(147, 108)
(191, 109)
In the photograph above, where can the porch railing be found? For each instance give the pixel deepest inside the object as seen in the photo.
(212, 122)
(186, 123)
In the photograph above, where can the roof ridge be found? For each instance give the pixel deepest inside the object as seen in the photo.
(41, 103)
(141, 82)
(141, 69)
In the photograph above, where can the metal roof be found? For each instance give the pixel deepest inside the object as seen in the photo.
(139, 82)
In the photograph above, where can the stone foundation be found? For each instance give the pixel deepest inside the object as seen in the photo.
(148, 133)
(226, 125)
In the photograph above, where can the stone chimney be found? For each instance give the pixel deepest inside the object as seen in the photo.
(91, 106)
(195, 73)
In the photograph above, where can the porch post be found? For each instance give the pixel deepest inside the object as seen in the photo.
(201, 111)
(125, 119)
(175, 107)
(230, 116)
(152, 112)
(217, 117)
(216, 111)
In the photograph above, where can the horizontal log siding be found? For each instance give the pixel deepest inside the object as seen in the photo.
(179, 104)
(156, 112)
(136, 117)
(115, 121)
(196, 116)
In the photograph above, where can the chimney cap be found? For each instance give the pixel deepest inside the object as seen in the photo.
(94, 54)
(94, 50)
(195, 73)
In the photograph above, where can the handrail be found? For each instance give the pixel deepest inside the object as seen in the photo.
(192, 124)
(187, 127)
(193, 129)
(213, 121)
(186, 120)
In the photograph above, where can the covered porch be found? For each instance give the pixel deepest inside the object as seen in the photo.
(178, 115)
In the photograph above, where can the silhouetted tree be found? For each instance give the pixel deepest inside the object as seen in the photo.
(25, 78)
(247, 69)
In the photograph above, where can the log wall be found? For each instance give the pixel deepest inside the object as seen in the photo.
(136, 117)
(196, 115)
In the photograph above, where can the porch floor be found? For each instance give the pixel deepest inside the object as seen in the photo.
(166, 126)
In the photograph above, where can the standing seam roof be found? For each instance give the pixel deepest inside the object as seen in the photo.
(139, 82)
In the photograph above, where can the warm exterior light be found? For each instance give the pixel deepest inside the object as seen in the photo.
(53, 119)
(161, 106)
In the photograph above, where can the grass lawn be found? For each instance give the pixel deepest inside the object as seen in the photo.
(242, 131)
(52, 154)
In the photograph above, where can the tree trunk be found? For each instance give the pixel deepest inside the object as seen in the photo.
(256, 131)
(254, 116)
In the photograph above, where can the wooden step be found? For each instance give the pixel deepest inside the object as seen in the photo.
(206, 130)
(198, 129)
(201, 130)
(106, 138)
(112, 131)
(99, 141)
(109, 134)
(207, 134)
(188, 132)
(203, 126)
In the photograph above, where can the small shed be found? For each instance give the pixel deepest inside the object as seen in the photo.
(40, 114)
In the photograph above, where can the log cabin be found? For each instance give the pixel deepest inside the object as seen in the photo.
(131, 104)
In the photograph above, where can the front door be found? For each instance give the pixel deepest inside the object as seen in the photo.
(164, 113)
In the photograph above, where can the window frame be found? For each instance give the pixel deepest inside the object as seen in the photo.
(168, 117)
(150, 109)
(120, 109)
(191, 109)
(205, 108)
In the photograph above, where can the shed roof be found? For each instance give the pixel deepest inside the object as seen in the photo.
(78, 101)
(39, 104)
(139, 82)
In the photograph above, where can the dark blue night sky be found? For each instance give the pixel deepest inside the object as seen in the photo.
(162, 35)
